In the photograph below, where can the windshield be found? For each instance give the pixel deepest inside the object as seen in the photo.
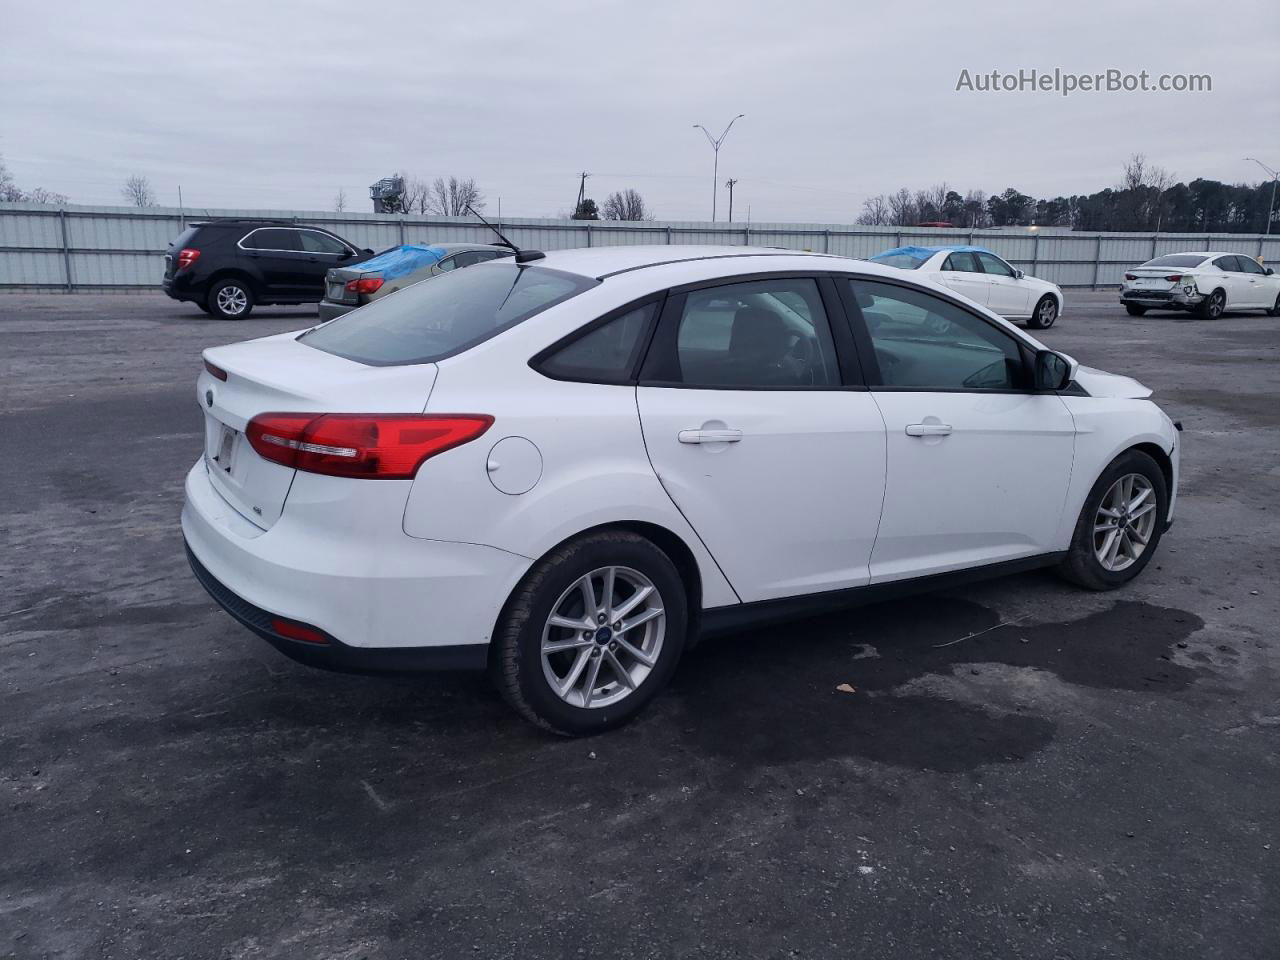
(1178, 260)
(904, 261)
(445, 315)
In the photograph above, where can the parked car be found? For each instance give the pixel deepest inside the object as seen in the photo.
(226, 267)
(567, 468)
(1205, 283)
(984, 278)
(349, 287)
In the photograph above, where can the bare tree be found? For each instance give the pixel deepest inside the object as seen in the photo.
(902, 207)
(1135, 172)
(41, 195)
(340, 201)
(626, 205)
(975, 209)
(416, 195)
(137, 192)
(452, 198)
(875, 212)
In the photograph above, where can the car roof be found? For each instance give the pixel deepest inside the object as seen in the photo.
(603, 262)
(927, 252)
(1204, 253)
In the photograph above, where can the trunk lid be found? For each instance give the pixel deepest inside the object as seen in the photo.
(282, 375)
(1153, 278)
(336, 280)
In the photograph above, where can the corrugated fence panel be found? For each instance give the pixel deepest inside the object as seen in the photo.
(123, 246)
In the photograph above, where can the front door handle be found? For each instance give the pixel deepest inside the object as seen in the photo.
(928, 429)
(709, 436)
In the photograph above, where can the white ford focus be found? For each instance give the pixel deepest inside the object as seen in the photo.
(567, 468)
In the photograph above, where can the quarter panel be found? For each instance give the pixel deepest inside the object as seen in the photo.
(594, 467)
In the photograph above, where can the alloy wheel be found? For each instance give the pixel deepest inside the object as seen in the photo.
(1125, 522)
(1217, 302)
(1048, 313)
(603, 637)
(232, 300)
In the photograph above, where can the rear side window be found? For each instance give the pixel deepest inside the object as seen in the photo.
(272, 238)
(451, 313)
(607, 354)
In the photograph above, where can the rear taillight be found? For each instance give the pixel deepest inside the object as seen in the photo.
(215, 371)
(1131, 276)
(364, 285)
(187, 256)
(1174, 277)
(363, 445)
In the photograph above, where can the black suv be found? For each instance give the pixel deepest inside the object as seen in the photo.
(227, 266)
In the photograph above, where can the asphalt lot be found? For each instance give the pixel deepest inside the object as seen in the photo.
(1024, 770)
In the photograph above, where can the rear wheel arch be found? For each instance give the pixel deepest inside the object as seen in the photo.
(233, 273)
(664, 539)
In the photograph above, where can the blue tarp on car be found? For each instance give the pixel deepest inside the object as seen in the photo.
(402, 260)
(924, 253)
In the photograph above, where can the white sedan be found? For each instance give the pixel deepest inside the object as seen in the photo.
(984, 278)
(565, 468)
(1208, 284)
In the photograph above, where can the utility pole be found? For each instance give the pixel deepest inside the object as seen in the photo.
(715, 169)
(1275, 177)
(729, 183)
(582, 191)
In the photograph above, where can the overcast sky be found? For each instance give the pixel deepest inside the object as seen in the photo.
(278, 104)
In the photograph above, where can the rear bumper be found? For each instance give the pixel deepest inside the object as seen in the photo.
(1170, 300)
(336, 655)
(179, 287)
(385, 600)
(331, 311)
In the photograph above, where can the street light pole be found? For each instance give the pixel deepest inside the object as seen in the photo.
(1275, 177)
(730, 184)
(715, 168)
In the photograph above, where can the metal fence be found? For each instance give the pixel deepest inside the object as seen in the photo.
(104, 248)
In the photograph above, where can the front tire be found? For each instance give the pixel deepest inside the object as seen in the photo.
(1134, 310)
(230, 300)
(1275, 311)
(1120, 524)
(1045, 313)
(1214, 305)
(592, 634)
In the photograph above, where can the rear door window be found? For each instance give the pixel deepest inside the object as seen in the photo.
(963, 262)
(430, 321)
(1228, 264)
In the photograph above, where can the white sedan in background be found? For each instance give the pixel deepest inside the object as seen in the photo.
(564, 468)
(984, 278)
(1207, 284)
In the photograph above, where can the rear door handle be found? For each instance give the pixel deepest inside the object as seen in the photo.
(928, 429)
(709, 436)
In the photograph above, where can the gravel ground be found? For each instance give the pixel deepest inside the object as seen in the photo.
(1022, 770)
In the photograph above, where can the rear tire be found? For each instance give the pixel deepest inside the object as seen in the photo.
(1213, 306)
(546, 656)
(230, 299)
(1045, 313)
(1134, 310)
(1093, 541)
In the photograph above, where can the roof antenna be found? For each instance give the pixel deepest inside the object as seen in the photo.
(522, 256)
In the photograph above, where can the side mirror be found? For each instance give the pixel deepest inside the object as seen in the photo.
(1054, 371)
(1269, 271)
(1018, 274)
(368, 252)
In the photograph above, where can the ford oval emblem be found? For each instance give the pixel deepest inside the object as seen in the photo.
(208, 397)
